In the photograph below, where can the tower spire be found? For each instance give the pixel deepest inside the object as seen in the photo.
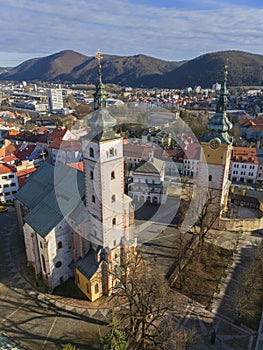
(100, 96)
(219, 125)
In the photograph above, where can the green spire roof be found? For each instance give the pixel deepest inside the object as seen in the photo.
(101, 122)
(219, 125)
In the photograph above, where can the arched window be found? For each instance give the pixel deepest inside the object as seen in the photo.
(113, 198)
(60, 245)
(113, 221)
(91, 175)
(112, 176)
(210, 178)
(93, 199)
(91, 152)
(96, 288)
(116, 256)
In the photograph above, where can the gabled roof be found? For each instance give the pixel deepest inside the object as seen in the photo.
(152, 166)
(51, 193)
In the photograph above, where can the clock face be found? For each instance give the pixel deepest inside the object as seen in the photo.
(214, 143)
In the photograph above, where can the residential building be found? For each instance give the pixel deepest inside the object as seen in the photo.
(147, 184)
(191, 159)
(55, 99)
(8, 182)
(244, 165)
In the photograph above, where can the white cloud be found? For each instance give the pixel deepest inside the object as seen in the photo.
(120, 27)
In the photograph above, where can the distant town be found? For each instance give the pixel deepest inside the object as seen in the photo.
(144, 205)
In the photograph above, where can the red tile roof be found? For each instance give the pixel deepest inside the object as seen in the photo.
(22, 175)
(245, 155)
(7, 168)
(79, 166)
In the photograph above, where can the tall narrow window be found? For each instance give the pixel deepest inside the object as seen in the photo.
(113, 221)
(96, 288)
(112, 175)
(210, 178)
(113, 198)
(60, 245)
(93, 199)
(91, 152)
(91, 175)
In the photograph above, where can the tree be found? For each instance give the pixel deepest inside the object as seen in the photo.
(116, 338)
(149, 300)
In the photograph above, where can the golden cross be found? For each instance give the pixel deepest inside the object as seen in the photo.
(99, 57)
(225, 72)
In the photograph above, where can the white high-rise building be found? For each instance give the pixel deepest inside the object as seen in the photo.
(55, 99)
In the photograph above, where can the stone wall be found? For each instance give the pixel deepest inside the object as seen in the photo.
(241, 224)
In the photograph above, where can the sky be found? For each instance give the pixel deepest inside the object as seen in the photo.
(172, 30)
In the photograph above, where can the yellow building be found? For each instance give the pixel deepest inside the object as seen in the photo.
(216, 155)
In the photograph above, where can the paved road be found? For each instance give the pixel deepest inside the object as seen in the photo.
(30, 318)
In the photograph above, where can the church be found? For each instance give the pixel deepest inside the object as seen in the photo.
(79, 224)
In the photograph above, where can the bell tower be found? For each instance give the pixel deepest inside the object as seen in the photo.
(110, 231)
(217, 146)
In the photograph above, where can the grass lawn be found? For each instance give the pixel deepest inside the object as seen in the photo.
(201, 277)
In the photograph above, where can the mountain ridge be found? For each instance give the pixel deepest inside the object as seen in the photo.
(141, 70)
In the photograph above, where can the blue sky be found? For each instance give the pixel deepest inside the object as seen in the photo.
(173, 30)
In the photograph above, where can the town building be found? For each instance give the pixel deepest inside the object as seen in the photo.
(147, 183)
(244, 165)
(55, 99)
(8, 182)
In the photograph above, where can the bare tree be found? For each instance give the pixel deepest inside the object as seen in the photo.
(149, 300)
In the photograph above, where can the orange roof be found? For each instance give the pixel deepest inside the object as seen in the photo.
(79, 166)
(8, 150)
(245, 155)
(24, 172)
(13, 132)
(7, 168)
(9, 159)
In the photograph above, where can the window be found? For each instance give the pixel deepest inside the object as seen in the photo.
(116, 255)
(41, 245)
(77, 278)
(113, 198)
(91, 152)
(210, 178)
(58, 264)
(4, 177)
(114, 243)
(111, 152)
(91, 175)
(11, 176)
(43, 263)
(60, 245)
(96, 288)
(87, 288)
(113, 221)
(112, 176)
(13, 184)
(93, 199)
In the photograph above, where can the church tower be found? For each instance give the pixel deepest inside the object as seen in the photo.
(217, 146)
(110, 227)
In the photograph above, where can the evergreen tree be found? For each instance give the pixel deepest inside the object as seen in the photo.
(116, 338)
